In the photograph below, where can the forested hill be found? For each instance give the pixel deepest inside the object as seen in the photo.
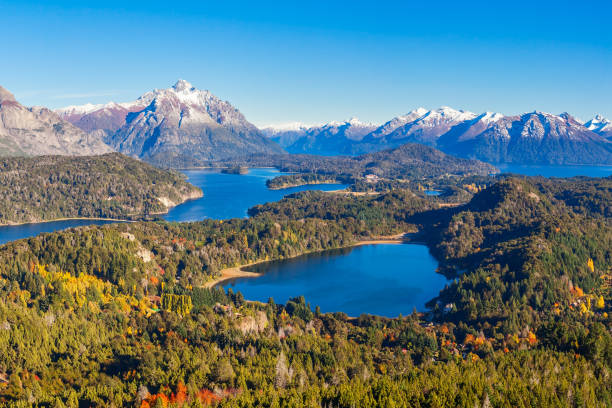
(407, 161)
(108, 186)
(117, 315)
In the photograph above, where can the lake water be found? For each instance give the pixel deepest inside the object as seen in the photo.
(231, 195)
(13, 232)
(556, 171)
(225, 196)
(383, 279)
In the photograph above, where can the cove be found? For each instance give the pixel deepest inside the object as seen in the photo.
(231, 195)
(382, 279)
(14, 232)
(225, 196)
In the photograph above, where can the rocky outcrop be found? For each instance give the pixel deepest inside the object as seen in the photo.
(39, 131)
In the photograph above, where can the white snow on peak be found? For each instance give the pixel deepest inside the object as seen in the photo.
(490, 117)
(182, 86)
(599, 124)
(353, 122)
(410, 116)
(356, 122)
(80, 109)
(450, 114)
(184, 91)
(286, 127)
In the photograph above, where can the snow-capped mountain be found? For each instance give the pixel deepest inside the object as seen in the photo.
(39, 131)
(530, 138)
(333, 138)
(286, 134)
(182, 126)
(535, 137)
(418, 126)
(178, 126)
(600, 125)
(103, 117)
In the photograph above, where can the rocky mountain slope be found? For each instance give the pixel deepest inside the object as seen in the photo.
(329, 139)
(530, 138)
(39, 131)
(179, 126)
(601, 126)
(286, 134)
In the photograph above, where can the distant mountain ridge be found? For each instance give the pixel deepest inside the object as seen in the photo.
(407, 160)
(530, 138)
(39, 131)
(328, 139)
(601, 126)
(178, 126)
(184, 126)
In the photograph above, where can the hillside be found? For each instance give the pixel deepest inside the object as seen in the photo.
(530, 138)
(330, 139)
(107, 186)
(38, 131)
(118, 315)
(407, 161)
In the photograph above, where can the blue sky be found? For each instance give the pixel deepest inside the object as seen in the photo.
(315, 61)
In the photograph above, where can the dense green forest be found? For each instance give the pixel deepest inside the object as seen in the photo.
(117, 315)
(293, 180)
(407, 161)
(34, 189)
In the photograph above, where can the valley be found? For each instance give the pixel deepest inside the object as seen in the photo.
(520, 254)
(393, 274)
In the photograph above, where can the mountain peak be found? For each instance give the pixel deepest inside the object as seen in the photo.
(354, 121)
(599, 124)
(182, 86)
(286, 127)
(6, 96)
(600, 118)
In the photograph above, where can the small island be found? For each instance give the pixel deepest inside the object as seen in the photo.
(236, 170)
(295, 180)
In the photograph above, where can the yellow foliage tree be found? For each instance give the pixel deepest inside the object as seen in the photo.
(590, 265)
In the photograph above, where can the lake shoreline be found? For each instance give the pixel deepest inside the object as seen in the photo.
(66, 219)
(293, 185)
(137, 217)
(238, 271)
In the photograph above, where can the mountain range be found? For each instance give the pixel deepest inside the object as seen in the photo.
(183, 126)
(178, 126)
(327, 140)
(530, 138)
(40, 131)
(601, 126)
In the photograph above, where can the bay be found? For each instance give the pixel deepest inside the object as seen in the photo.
(225, 196)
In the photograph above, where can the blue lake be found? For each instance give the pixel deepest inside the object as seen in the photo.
(225, 196)
(383, 279)
(14, 232)
(556, 171)
(231, 195)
